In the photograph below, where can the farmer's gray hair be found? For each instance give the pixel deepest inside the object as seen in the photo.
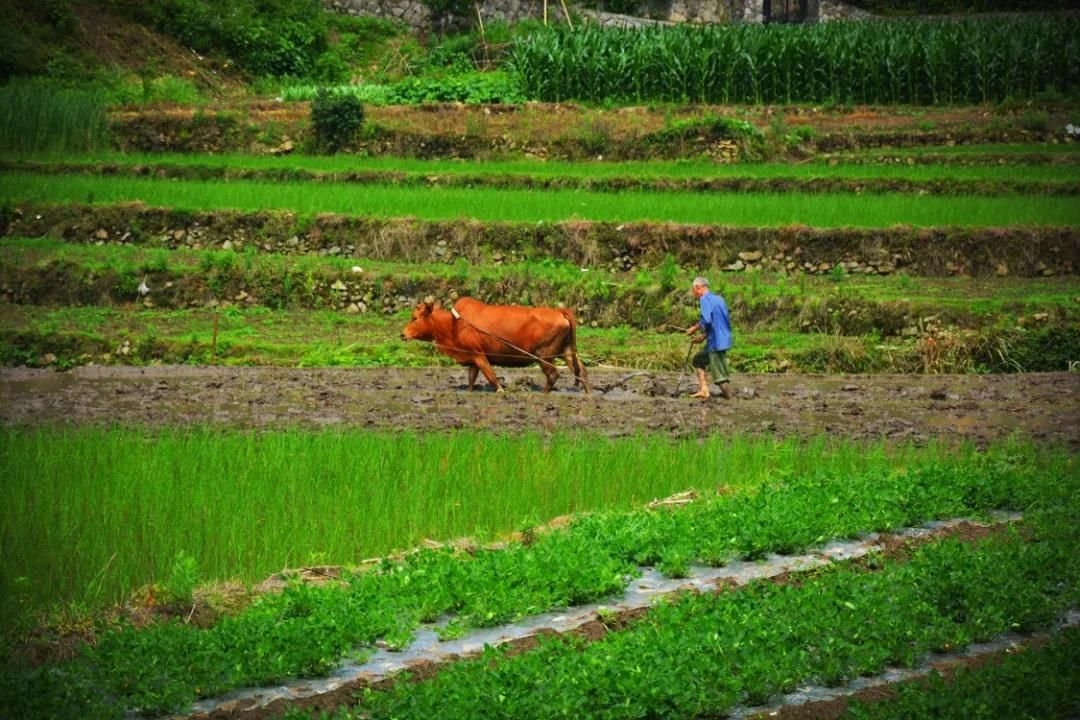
(700, 282)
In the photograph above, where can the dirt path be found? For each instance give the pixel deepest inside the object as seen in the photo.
(977, 408)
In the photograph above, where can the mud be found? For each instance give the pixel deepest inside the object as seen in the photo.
(980, 409)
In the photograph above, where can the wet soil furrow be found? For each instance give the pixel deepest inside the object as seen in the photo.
(978, 408)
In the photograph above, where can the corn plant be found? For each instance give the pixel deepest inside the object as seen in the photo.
(895, 62)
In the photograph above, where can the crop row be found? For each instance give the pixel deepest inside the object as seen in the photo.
(820, 184)
(700, 655)
(383, 201)
(909, 62)
(1035, 682)
(305, 630)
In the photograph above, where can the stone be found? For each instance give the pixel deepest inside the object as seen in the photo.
(102, 234)
(227, 245)
(1001, 270)
(352, 309)
(293, 241)
(750, 256)
(178, 234)
(737, 265)
(241, 296)
(357, 269)
(334, 250)
(48, 359)
(338, 286)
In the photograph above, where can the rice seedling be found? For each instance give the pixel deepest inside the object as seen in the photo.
(828, 210)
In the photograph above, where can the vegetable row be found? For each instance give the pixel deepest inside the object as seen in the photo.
(306, 630)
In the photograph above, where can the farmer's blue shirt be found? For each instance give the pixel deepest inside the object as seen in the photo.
(716, 322)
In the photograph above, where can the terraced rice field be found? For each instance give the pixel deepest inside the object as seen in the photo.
(206, 384)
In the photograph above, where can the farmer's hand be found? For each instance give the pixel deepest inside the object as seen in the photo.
(697, 339)
(691, 330)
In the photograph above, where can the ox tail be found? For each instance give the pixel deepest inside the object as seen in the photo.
(581, 378)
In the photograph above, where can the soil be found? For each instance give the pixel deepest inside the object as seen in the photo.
(980, 409)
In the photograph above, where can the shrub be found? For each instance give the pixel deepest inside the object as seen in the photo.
(266, 37)
(336, 118)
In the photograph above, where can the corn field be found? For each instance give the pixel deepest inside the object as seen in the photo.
(917, 62)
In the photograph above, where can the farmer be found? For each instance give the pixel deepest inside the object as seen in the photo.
(714, 327)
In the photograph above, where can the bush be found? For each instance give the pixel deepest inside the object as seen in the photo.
(336, 118)
(265, 37)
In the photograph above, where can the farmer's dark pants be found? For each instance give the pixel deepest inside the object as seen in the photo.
(715, 361)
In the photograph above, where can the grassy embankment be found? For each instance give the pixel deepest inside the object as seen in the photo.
(833, 323)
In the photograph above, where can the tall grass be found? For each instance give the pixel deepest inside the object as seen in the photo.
(909, 62)
(89, 514)
(824, 210)
(39, 117)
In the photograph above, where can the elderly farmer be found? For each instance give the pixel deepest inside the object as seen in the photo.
(715, 328)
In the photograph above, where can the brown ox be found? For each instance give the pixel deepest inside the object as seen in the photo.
(479, 336)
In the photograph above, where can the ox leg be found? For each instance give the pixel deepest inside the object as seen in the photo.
(581, 374)
(577, 369)
(550, 372)
(482, 363)
(473, 372)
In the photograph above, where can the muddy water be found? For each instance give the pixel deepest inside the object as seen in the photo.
(972, 407)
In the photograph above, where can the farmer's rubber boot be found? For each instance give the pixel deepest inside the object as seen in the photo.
(703, 386)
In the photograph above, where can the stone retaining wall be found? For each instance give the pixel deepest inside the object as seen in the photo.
(1013, 251)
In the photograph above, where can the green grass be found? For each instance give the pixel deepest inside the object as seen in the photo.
(1072, 148)
(524, 206)
(687, 169)
(90, 514)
